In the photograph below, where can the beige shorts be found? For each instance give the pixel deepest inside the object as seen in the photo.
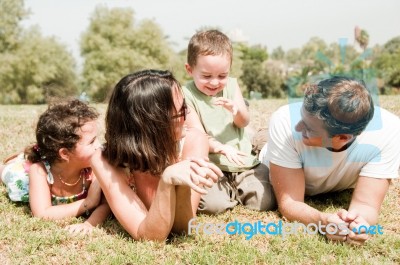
(250, 188)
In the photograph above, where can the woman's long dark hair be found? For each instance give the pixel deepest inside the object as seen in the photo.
(140, 132)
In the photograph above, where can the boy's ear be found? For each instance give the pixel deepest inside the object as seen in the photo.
(188, 69)
(64, 154)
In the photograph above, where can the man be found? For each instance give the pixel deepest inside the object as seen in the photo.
(336, 139)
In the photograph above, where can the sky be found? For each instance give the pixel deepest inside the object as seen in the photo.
(272, 23)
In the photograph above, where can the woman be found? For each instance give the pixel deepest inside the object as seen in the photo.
(152, 170)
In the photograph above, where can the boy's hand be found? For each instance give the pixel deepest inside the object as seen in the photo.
(231, 153)
(227, 104)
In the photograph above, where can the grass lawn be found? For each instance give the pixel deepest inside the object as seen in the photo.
(27, 240)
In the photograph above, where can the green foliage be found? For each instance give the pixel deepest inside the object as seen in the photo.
(256, 53)
(335, 59)
(38, 69)
(292, 56)
(388, 62)
(278, 54)
(114, 46)
(312, 47)
(254, 78)
(265, 78)
(33, 68)
(11, 13)
(362, 37)
(237, 66)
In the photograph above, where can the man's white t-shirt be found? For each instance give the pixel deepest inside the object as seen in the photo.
(374, 153)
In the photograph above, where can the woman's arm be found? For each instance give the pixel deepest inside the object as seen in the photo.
(154, 224)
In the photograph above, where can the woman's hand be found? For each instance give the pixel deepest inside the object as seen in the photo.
(195, 173)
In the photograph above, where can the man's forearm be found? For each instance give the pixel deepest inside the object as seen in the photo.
(301, 212)
(369, 213)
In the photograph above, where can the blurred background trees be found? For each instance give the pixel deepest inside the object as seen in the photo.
(35, 68)
(115, 45)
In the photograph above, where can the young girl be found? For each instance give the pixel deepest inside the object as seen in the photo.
(54, 174)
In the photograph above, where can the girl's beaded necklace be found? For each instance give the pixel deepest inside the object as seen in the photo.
(70, 184)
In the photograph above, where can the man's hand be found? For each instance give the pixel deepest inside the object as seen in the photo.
(341, 225)
(356, 236)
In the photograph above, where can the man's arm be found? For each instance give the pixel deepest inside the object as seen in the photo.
(289, 188)
(368, 197)
(364, 208)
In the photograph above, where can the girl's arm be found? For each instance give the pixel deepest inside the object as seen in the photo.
(98, 216)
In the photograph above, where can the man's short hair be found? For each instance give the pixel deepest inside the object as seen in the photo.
(342, 103)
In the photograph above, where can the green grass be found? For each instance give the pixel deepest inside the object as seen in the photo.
(27, 240)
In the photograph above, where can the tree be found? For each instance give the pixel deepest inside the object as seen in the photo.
(292, 56)
(237, 65)
(278, 54)
(275, 75)
(253, 74)
(256, 52)
(33, 68)
(362, 37)
(388, 63)
(39, 69)
(11, 14)
(311, 48)
(259, 74)
(114, 46)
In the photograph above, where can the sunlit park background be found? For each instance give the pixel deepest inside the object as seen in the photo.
(35, 68)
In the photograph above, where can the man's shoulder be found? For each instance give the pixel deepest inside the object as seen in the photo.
(287, 112)
(383, 120)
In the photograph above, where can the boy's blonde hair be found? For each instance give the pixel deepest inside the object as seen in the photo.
(209, 42)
